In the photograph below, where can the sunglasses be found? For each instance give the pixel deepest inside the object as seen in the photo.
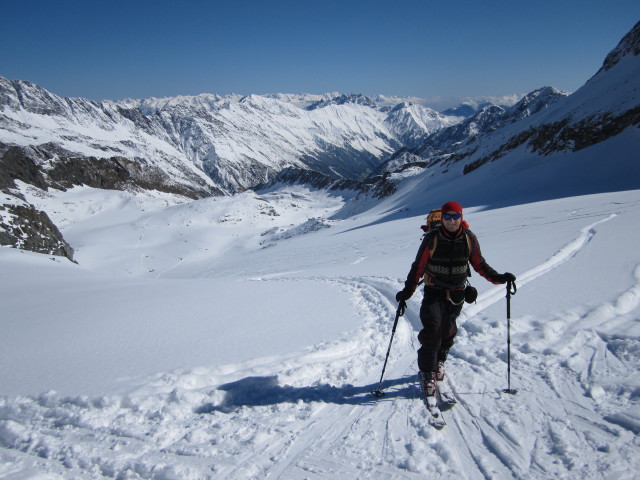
(452, 216)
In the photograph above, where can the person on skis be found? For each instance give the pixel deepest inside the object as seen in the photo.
(443, 259)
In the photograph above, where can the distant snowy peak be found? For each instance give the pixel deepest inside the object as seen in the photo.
(387, 101)
(413, 123)
(533, 103)
(353, 98)
(313, 101)
(464, 110)
(228, 144)
(203, 101)
(231, 142)
(302, 100)
(452, 136)
(467, 107)
(27, 96)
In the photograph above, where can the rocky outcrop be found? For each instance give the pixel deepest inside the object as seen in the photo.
(629, 45)
(16, 165)
(21, 224)
(25, 227)
(118, 173)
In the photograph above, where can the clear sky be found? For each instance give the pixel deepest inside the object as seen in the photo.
(138, 49)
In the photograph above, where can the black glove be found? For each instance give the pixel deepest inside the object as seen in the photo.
(403, 295)
(506, 277)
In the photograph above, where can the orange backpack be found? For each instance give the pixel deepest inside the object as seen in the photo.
(434, 220)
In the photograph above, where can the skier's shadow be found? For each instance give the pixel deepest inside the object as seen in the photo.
(264, 391)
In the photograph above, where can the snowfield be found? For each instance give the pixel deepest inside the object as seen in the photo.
(234, 338)
(240, 337)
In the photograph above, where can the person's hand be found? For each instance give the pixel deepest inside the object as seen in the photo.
(403, 295)
(506, 277)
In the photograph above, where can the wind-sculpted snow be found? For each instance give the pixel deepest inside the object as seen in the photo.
(187, 350)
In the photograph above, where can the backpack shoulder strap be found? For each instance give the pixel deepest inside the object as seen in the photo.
(432, 241)
(467, 235)
(468, 238)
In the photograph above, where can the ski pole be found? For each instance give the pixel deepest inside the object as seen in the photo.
(401, 308)
(511, 290)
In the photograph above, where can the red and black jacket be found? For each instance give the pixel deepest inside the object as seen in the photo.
(449, 262)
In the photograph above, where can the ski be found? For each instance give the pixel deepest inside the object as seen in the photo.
(431, 402)
(446, 395)
(435, 415)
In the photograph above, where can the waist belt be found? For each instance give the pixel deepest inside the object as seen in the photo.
(433, 281)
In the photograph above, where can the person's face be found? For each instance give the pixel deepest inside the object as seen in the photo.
(451, 224)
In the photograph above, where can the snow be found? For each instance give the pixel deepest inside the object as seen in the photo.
(238, 140)
(240, 337)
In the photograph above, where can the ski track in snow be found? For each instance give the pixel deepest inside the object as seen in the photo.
(563, 255)
(298, 417)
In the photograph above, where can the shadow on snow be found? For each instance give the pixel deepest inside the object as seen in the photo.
(264, 391)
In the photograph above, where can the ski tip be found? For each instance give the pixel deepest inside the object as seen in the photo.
(377, 393)
(438, 424)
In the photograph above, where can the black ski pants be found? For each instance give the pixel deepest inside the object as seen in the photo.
(438, 316)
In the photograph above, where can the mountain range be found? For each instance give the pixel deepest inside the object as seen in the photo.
(212, 145)
(206, 145)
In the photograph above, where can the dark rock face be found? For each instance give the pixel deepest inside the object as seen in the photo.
(21, 224)
(116, 173)
(15, 165)
(32, 230)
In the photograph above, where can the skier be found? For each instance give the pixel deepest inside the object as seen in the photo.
(443, 259)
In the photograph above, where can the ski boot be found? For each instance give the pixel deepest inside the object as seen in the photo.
(428, 382)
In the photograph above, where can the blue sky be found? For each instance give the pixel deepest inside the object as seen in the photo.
(137, 49)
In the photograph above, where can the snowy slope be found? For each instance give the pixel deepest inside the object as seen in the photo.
(230, 143)
(200, 340)
(31, 116)
(240, 337)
